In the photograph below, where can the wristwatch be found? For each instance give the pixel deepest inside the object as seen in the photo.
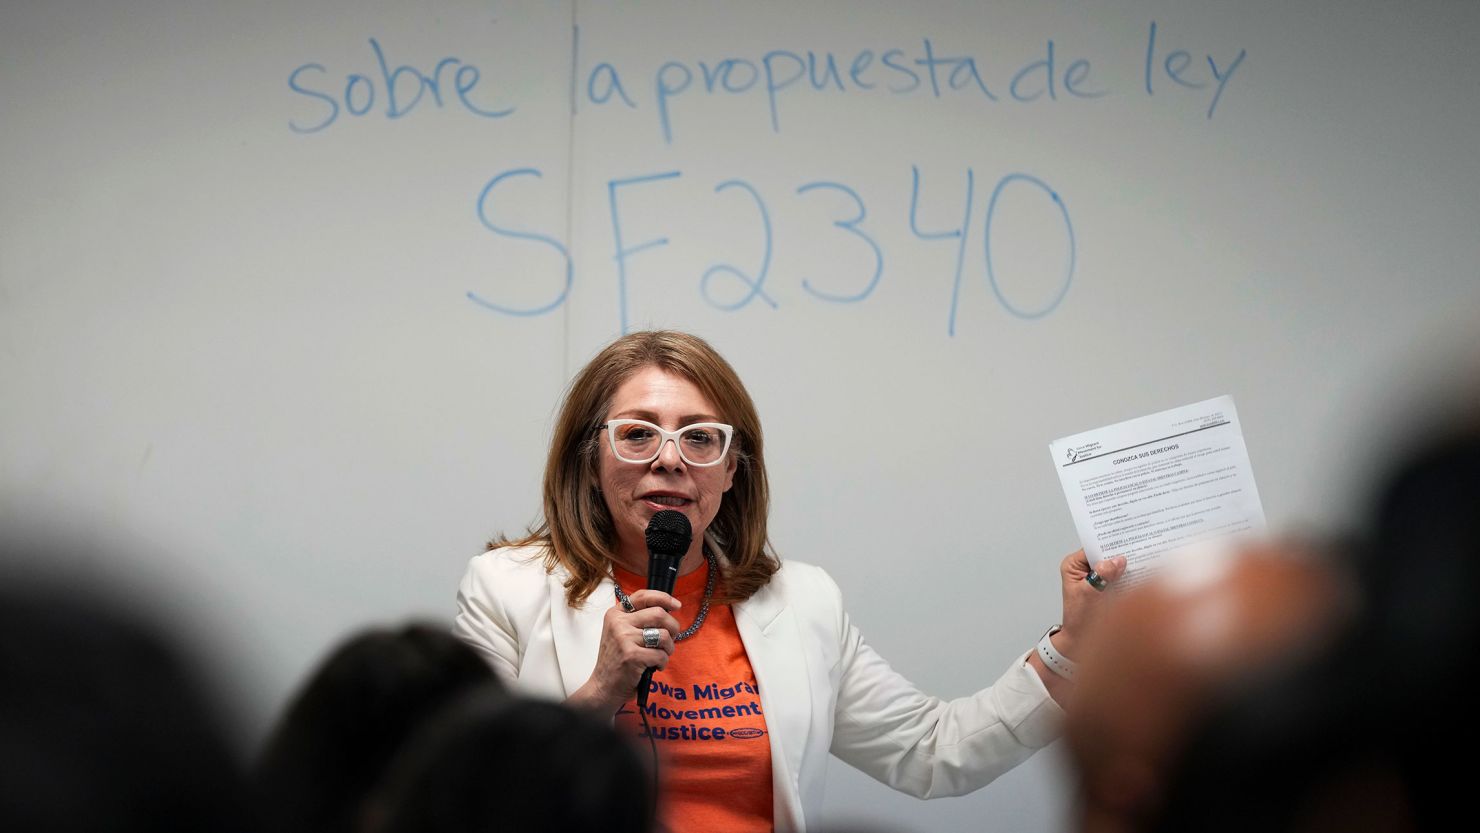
(1056, 662)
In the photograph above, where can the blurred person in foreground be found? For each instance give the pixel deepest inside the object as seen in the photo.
(497, 762)
(104, 725)
(762, 673)
(340, 733)
(1166, 652)
(1371, 737)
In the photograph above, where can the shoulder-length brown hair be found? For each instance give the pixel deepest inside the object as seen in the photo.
(577, 531)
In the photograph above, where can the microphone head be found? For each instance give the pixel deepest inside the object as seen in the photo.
(669, 534)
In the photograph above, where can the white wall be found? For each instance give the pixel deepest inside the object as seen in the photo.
(258, 347)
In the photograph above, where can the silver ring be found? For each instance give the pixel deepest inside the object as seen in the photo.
(651, 637)
(1095, 581)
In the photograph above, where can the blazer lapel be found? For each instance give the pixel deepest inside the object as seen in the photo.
(576, 631)
(773, 644)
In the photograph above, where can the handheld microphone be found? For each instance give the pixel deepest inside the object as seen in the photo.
(668, 536)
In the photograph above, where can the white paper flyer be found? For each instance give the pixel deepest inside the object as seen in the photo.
(1150, 486)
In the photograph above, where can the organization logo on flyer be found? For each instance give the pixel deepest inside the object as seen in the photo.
(1082, 452)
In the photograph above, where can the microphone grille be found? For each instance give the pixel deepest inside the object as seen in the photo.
(669, 533)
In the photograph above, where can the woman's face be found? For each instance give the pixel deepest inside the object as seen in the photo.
(634, 492)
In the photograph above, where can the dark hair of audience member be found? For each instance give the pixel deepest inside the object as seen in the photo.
(103, 725)
(1365, 738)
(341, 731)
(516, 765)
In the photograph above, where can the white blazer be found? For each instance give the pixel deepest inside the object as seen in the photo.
(822, 688)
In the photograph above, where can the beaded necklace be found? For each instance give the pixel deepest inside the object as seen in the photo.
(703, 606)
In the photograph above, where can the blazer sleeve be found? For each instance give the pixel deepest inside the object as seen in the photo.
(923, 745)
(487, 614)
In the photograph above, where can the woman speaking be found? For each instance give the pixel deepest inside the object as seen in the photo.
(761, 673)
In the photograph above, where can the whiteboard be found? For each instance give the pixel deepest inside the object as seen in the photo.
(289, 291)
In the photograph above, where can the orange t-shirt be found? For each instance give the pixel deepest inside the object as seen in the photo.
(704, 710)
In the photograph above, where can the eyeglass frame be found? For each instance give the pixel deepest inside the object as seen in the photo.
(664, 436)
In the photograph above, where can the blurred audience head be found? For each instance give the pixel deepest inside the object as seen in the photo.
(516, 766)
(1365, 739)
(339, 734)
(1168, 650)
(1417, 574)
(104, 726)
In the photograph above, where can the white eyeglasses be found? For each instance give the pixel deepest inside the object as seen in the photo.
(638, 441)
